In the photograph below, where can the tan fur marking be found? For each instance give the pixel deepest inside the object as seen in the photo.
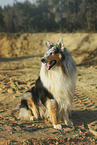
(52, 111)
(33, 107)
(56, 57)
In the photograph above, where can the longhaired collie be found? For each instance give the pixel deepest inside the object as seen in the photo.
(51, 96)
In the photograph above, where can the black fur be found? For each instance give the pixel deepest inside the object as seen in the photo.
(39, 93)
(24, 104)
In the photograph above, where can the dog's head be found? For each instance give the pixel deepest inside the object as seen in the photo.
(53, 55)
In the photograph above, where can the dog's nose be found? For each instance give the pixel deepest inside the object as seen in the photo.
(43, 60)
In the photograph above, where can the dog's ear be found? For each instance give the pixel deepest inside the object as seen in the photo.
(48, 45)
(60, 44)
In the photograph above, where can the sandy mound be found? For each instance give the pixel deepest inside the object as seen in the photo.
(81, 45)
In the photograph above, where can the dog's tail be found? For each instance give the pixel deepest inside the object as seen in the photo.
(17, 107)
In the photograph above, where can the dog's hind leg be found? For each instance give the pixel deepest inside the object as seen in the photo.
(52, 111)
(34, 110)
(28, 105)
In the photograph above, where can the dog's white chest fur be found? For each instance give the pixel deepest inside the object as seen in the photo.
(59, 85)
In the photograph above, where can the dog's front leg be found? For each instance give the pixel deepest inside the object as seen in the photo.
(52, 110)
(67, 120)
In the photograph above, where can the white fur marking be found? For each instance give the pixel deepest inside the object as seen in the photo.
(32, 118)
(68, 123)
(24, 113)
(58, 126)
(62, 87)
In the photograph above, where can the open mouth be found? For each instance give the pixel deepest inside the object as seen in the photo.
(51, 64)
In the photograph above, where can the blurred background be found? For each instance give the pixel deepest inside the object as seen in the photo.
(48, 16)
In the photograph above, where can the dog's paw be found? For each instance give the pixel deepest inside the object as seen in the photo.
(57, 126)
(32, 118)
(68, 123)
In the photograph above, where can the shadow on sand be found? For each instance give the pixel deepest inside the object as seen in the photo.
(84, 116)
(19, 58)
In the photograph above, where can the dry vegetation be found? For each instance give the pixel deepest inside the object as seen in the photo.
(20, 64)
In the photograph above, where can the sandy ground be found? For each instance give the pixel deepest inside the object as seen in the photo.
(18, 72)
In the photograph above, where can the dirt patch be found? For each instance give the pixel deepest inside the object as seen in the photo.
(17, 74)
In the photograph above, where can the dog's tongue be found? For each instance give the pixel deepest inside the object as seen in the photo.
(50, 64)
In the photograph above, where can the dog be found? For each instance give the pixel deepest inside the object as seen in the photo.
(51, 96)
